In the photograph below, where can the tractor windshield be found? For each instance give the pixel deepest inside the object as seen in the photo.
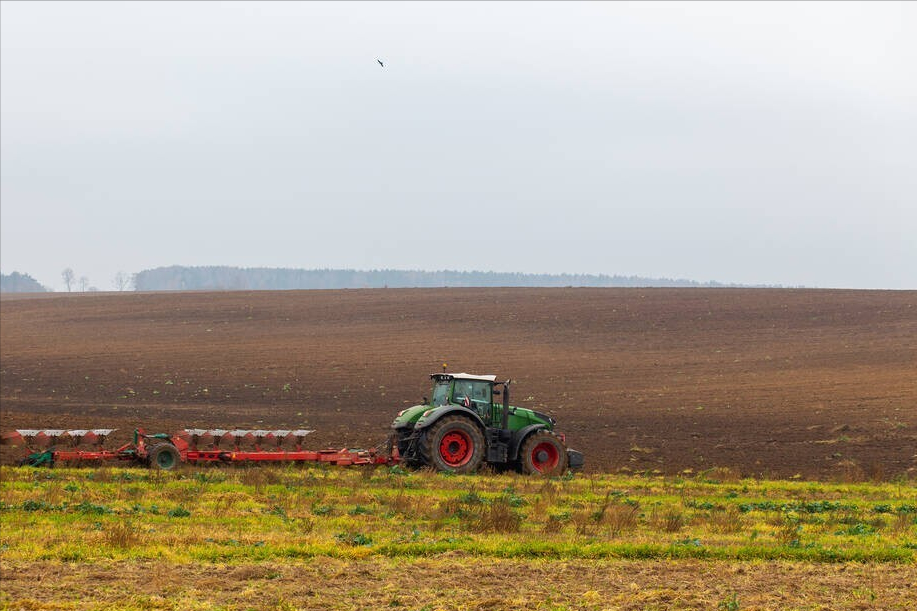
(441, 393)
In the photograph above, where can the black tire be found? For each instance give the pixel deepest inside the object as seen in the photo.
(453, 443)
(543, 453)
(164, 456)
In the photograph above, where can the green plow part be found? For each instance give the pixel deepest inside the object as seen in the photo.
(38, 459)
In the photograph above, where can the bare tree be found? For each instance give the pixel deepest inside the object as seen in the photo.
(84, 283)
(122, 280)
(68, 277)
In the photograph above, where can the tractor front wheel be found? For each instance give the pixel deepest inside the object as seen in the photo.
(543, 452)
(453, 443)
(164, 456)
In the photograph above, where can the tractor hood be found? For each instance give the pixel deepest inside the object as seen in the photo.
(519, 417)
(524, 414)
(407, 417)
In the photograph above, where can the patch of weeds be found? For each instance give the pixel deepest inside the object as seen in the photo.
(360, 510)
(727, 521)
(46, 476)
(500, 517)
(472, 498)
(322, 510)
(619, 517)
(33, 505)
(705, 505)
(304, 526)
(513, 499)
(789, 531)
(179, 512)
(820, 507)
(413, 538)
(556, 522)
(122, 535)
(856, 530)
(864, 593)
(729, 604)
(92, 508)
(278, 511)
(798, 507)
(354, 539)
(672, 521)
(209, 478)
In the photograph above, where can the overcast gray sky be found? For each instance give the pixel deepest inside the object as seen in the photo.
(739, 142)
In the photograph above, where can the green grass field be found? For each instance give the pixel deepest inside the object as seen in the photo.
(293, 519)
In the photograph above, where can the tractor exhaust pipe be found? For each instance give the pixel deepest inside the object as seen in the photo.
(505, 405)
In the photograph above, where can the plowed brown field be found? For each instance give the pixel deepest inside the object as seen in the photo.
(819, 383)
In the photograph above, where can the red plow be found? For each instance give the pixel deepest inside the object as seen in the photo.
(46, 447)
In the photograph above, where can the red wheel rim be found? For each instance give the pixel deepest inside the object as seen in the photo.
(545, 457)
(456, 448)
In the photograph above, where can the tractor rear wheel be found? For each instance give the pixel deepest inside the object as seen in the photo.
(543, 452)
(164, 456)
(453, 443)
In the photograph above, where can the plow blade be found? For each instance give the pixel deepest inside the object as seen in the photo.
(51, 437)
(197, 438)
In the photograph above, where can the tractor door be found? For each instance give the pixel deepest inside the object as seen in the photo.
(482, 401)
(477, 395)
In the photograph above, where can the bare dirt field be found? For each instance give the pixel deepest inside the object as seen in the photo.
(820, 384)
(454, 583)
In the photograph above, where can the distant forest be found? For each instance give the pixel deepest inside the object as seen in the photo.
(20, 283)
(180, 278)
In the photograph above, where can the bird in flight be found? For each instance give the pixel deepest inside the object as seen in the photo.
(380, 63)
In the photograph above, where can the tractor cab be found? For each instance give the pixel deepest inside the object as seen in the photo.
(470, 391)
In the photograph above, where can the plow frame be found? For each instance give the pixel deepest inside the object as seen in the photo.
(140, 449)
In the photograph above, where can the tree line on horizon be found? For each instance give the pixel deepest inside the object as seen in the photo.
(217, 278)
(227, 278)
(20, 283)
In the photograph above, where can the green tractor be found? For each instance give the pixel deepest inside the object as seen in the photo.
(461, 427)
